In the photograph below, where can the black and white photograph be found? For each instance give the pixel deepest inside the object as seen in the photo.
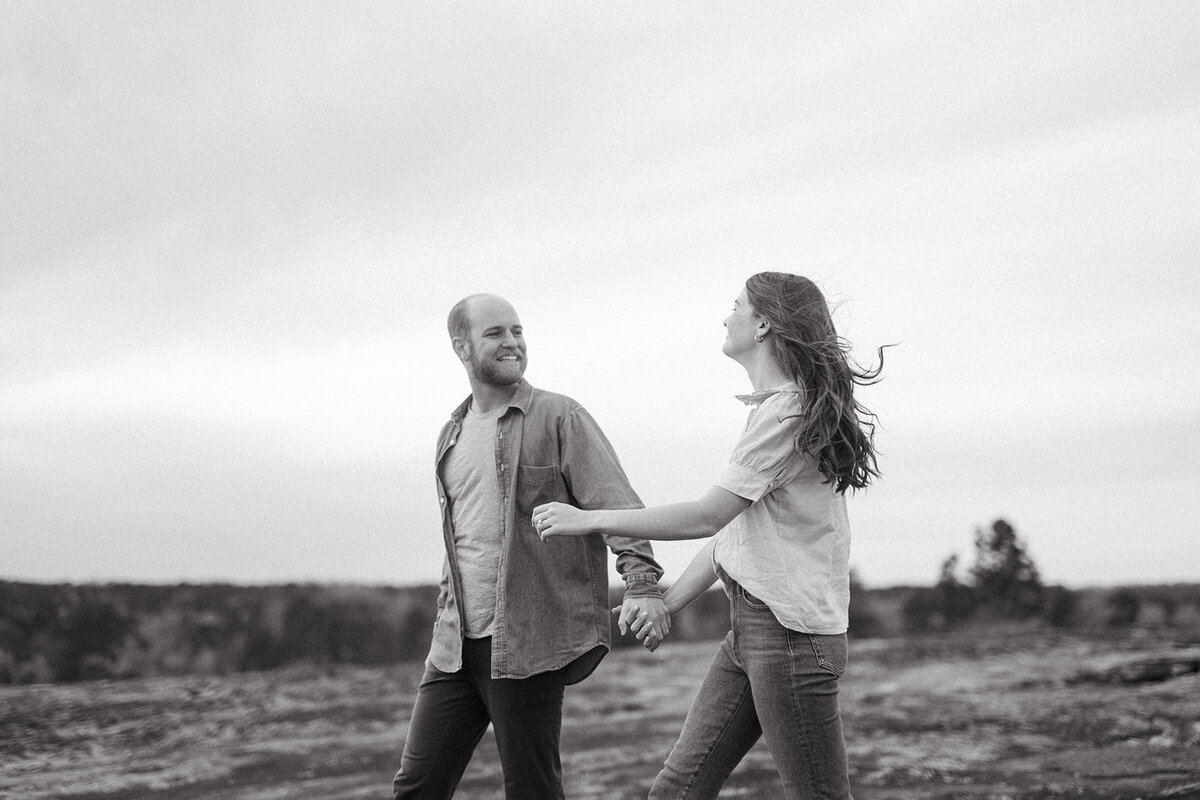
(523, 401)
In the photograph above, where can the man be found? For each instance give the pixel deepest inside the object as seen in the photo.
(518, 619)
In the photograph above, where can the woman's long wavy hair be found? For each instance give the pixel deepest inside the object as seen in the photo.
(835, 429)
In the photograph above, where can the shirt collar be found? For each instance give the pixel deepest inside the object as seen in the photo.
(520, 399)
(756, 398)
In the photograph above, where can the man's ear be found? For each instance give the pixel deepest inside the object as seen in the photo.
(462, 348)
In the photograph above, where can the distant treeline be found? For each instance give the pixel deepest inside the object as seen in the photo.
(1173, 609)
(1004, 585)
(64, 632)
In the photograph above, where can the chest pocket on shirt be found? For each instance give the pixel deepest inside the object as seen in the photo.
(535, 485)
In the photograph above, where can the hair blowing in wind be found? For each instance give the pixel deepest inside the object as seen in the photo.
(835, 429)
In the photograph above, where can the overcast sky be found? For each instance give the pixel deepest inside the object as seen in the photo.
(230, 234)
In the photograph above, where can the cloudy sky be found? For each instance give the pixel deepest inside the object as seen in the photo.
(231, 233)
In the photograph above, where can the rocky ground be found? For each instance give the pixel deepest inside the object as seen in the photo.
(984, 716)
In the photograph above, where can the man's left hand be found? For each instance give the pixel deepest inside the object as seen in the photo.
(647, 618)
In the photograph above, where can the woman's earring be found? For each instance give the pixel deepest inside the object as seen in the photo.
(758, 337)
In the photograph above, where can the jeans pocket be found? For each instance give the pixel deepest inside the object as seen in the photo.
(751, 600)
(831, 652)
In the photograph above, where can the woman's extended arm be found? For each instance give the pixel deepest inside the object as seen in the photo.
(695, 519)
(693, 581)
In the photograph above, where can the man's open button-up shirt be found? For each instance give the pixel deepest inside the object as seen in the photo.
(552, 607)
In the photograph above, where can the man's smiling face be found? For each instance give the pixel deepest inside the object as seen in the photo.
(497, 343)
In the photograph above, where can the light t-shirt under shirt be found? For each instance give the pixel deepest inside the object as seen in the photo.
(476, 510)
(791, 546)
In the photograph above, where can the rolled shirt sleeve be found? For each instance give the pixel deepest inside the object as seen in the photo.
(765, 449)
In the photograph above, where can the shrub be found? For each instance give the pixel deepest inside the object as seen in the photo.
(1059, 606)
(864, 622)
(1123, 608)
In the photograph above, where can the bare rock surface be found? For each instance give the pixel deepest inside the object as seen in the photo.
(980, 715)
(1141, 668)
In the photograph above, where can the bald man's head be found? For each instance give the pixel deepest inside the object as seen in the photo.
(487, 337)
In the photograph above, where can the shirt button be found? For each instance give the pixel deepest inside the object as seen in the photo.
(442, 500)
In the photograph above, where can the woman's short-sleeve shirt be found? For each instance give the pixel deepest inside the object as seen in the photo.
(791, 546)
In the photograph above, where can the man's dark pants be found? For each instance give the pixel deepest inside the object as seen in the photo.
(453, 710)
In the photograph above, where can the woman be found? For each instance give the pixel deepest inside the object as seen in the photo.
(779, 539)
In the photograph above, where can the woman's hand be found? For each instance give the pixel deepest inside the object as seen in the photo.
(646, 618)
(560, 519)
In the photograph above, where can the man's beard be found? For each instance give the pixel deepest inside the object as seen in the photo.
(493, 374)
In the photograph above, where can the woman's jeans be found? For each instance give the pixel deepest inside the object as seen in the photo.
(771, 681)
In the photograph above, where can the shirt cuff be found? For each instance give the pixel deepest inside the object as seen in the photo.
(745, 482)
(642, 584)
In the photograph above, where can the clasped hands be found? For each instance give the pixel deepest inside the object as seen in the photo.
(646, 616)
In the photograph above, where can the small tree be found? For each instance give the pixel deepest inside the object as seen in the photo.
(1006, 582)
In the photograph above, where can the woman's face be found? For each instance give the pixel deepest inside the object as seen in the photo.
(740, 328)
